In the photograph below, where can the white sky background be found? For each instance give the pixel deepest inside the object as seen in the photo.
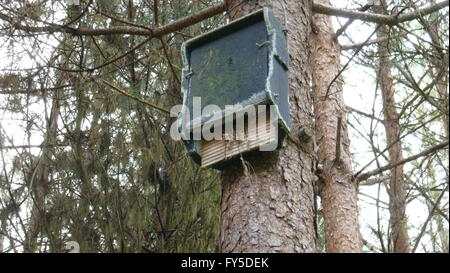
(359, 92)
(359, 89)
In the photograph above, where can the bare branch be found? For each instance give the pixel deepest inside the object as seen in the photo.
(125, 93)
(375, 41)
(378, 18)
(430, 215)
(431, 150)
(376, 180)
(132, 30)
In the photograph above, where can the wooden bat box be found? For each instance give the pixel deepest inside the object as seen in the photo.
(238, 66)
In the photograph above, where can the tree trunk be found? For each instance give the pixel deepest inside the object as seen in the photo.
(442, 88)
(439, 70)
(337, 187)
(397, 195)
(271, 208)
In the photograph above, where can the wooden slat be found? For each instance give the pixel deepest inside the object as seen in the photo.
(226, 152)
(215, 151)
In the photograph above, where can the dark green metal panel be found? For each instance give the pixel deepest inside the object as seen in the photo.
(230, 69)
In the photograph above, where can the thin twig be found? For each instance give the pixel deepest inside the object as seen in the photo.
(125, 93)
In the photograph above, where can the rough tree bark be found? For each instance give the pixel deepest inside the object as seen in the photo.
(271, 208)
(397, 195)
(337, 188)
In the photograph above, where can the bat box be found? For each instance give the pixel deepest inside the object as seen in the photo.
(228, 73)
